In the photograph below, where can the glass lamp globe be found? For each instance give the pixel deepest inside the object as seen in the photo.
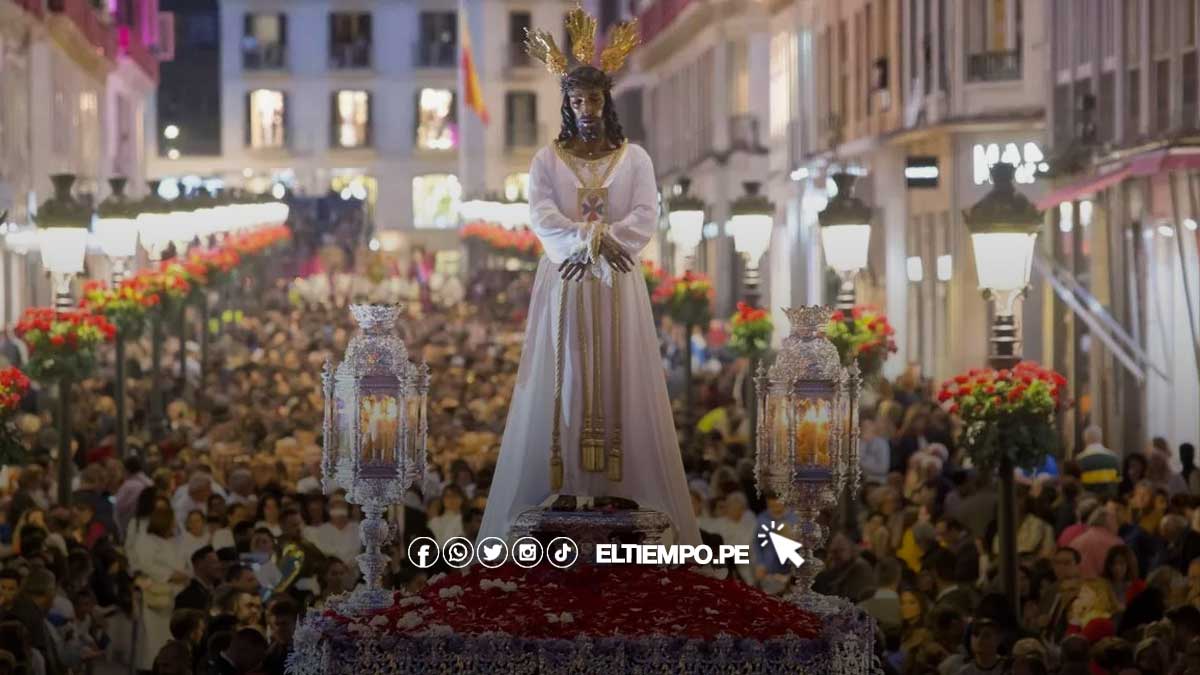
(752, 219)
(845, 228)
(685, 216)
(63, 229)
(1003, 226)
(154, 223)
(116, 223)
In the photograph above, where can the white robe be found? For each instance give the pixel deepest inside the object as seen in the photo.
(158, 559)
(652, 466)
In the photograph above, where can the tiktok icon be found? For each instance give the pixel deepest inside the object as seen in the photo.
(562, 552)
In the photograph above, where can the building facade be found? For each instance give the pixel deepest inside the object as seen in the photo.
(700, 83)
(1124, 123)
(74, 85)
(363, 99)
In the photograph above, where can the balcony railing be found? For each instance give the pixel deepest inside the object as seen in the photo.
(436, 55)
(994, 66)
(87, 21)
(350, 55)
(271, 56)
(660, 15)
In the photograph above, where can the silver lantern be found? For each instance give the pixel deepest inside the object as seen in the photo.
(374, 435)
(808, 436)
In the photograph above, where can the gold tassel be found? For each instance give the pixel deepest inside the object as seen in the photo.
(615, 452)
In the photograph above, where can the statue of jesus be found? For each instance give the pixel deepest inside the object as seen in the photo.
(590, 416)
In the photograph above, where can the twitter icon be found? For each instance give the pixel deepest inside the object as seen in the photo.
(491, 552)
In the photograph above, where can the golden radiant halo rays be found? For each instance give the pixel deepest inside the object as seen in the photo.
(581, 27)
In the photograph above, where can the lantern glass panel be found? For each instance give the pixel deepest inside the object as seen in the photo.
(1003, 260)
(379, 410)
(686, 228)
(846, 246)
(813, 417)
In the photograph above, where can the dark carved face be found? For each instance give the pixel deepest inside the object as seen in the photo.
(588, 105)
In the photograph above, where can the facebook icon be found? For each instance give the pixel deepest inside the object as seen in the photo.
(423, 552)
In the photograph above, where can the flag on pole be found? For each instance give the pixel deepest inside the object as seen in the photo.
(473, 93)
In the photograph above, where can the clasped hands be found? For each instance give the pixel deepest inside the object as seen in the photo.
(576, 267)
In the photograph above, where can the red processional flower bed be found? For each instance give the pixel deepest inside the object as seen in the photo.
(592, 601)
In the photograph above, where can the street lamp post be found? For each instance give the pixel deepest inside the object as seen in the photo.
(63, 224)
(154, 225)
(845, 236)
(1004, 226)
(185, 224)
(752, 217)
(846, 241)
(685, 217)
(116, 228)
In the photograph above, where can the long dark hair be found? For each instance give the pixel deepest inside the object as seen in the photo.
(588, 77)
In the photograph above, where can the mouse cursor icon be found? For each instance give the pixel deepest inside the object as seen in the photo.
(788, 550)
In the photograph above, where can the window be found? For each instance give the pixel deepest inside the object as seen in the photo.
(264, 41)
(266, 123)
(518, 23)
(1105, 107)
(1162, 94)
(350, 40)
(1062, 115)
(1133, 108)
(520, 130)
(435, 200)
(438, 45)
(1133, 34)
(351, 119)
(1188, 90)
(927, 44)
(437, 127)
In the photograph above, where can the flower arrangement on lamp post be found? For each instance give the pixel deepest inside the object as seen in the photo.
(863, 334)
(1010, 410)
(13, 387)
(124, 306)
(62, 350)
(687, 299)
(751, 334)
(62, 343)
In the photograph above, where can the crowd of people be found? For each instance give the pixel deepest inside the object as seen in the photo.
(1107, 543)
(199, 552)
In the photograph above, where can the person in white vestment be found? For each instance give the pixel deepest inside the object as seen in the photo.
(594, 206)
(160, 576)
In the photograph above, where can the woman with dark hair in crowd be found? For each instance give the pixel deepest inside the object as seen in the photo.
(1133, 471)
(1121, 571)
(270, 514)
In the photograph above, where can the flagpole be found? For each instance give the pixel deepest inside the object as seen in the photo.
(472, 139)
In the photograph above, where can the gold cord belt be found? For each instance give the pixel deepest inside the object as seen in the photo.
(597, 449)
